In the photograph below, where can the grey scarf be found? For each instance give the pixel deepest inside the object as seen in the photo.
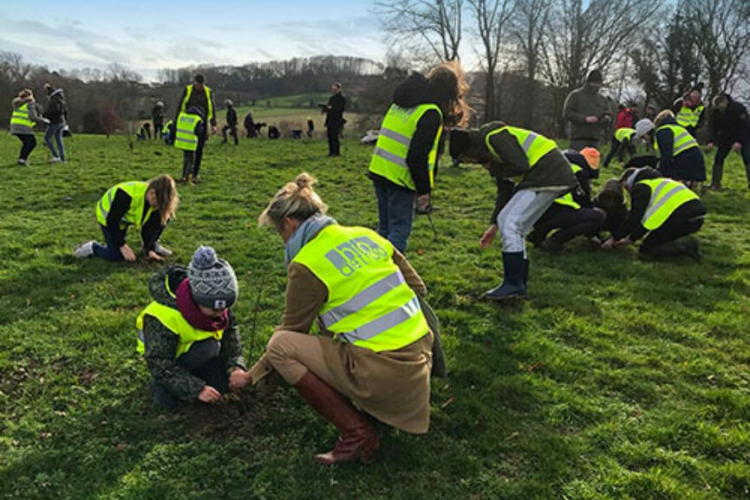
(304, 233)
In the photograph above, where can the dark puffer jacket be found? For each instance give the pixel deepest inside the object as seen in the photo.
(730, 126)
(161, 343)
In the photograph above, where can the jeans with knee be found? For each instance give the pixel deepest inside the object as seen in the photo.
(395, 213)
(110, 250)
(55, 130)
(520, 214)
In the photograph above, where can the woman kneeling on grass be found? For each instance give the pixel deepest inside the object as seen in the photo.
(146, 205)
(188, 334)
(375, 350)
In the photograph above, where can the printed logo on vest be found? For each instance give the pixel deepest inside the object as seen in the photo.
(355, 254)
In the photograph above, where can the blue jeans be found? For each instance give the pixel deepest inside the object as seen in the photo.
(56, 130)
(110, 250)
(395, 214)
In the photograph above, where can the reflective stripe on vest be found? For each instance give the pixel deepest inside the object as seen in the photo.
(624, 134)
(534, 145)
(369, 303)
(687, 117)
(135, 214)
(567, 200)
(21, 116)
(185, 137)
(189, 89)
(176, 323)
(666, 197)
(682, 139)
(165, 129)
(394, 140)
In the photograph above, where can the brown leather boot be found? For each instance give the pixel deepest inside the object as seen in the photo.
(357, 438)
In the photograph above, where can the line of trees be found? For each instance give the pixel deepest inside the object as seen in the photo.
(651, 50)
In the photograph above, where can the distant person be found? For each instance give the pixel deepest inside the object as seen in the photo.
(402, 168)
(663, 210)
(231, 125)
(157, 117)
(57, 114)
(543, 174)
(191, 126)
(273, 132)
(198, 95)
(689, 110)
(334, 124)
(22, 122)
(730, 131)
(588, 113)
(188, 334)
(144, 132)
(147, 206)
(626, 116)
(651, 112)
(310, 127)
(623, 141)
(249, 124)
(167, 132)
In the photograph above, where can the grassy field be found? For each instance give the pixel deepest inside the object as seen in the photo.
(618, 379)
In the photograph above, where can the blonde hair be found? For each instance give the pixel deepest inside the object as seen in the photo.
(661, 117)
(448, 88)
(26, 93)
(167, 198)
(296, 199)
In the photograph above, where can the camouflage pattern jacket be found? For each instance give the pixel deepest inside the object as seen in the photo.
(161, 343)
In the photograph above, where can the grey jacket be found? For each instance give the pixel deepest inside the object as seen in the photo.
(580, 104)
(33, 116)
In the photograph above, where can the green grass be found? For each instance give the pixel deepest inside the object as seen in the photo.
(618, 379)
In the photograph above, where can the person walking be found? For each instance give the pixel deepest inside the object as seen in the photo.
(148, 206)
(157, 117)
(403, 164)
(231, 125)
(190, 128)
(374, 354)
(334, 111)
(544, 175)
(690, 110)
(587, 112)
(188, 334)
(22, 123)
(663, 210)
(57, 114)
(198, 95)
(730, 131)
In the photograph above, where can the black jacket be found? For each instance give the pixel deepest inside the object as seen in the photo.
(118, 209)
(335, 115)
(231, 117)
(57, 110)
(689, 165)
(730, 126)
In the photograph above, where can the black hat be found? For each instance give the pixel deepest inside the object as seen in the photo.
(460, 141)
(595, 76)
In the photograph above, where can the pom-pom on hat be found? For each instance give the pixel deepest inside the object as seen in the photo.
(212, 280)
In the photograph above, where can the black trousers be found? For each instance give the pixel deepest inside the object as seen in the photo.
(28, 143)
(334, 134)
(571, 222)
(617, 148)
(199, 153)
(687, 219)
(232, 132)
(202, 360)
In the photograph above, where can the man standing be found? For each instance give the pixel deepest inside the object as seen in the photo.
(157, 116)
(588, 113)
(730, 131)
(334, 111)
(231, 122)
(198, 95)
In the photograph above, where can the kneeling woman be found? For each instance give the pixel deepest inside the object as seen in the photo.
(146, 205)
(375, 350)
(665, 209)
(188, 334)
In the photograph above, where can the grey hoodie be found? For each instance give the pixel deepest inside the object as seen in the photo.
(33, 116)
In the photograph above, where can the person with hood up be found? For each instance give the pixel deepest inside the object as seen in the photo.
(22, 123)
(588, 113)
(690, 110)
(57, 114)
(406, 153)
(543, 174)
(188, 334)
(663, 210)
(730, 131)
(680, 157)
(231, 125)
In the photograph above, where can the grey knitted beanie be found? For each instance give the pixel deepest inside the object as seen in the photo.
(212, 280)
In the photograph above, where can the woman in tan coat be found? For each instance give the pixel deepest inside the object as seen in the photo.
(375, 348)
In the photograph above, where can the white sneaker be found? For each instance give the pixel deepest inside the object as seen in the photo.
(84, 250)
(21, 162)
(55, 159)
(162, 251)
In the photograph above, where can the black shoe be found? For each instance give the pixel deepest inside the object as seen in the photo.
(506, 292)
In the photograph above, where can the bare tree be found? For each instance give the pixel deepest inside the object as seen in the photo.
(491, 17)
(435, 24)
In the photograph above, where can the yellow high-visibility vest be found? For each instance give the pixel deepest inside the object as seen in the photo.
(183, 105)
(185, 137)
(165, 129)
(394, 140)
(369, 303)
(176, 323)
(666, 197)
(682, 139)
(624, 134)
(135, 215)
(687, 117)
(21, 115)
(534, 145)
(567, 200)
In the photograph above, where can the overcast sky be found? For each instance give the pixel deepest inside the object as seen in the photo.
(148, 35)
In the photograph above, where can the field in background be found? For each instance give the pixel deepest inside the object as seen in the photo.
(619, 378)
